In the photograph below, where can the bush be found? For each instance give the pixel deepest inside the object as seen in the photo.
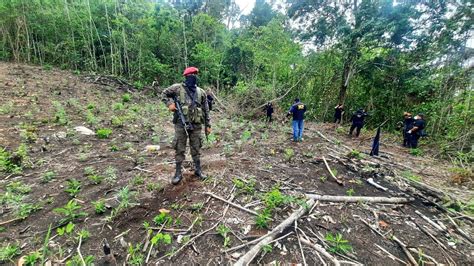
(104, 133)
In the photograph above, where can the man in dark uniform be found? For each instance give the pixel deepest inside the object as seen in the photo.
(407, 125)
(357, 121)
(196, 111)
(338, 112)
(210, 100)
(417, 130)
(297, 110)
(269, 110)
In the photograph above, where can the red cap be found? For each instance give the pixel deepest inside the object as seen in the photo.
(190, 70)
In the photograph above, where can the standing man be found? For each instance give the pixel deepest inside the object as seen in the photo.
(210, 100)
(338, 112)
(357, 121)
(407, 125)
(269, 110)
(417, 130)
(195, 110)
(297, 110)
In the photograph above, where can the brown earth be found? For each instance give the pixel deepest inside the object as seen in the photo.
(239, 149)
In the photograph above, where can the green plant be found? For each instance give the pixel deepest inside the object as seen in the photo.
(7, 164)
(60, 116)
(7, 108)
(135, 257)
(118, 106)
(223, 231)
(104, 133)
(289, 153)
(263, 218)
(48, 176)
(89, 170)
(126, 97)
(8, 252)
(163, 218)
(70, 211)
(245, 187)
(197, 206)
(25, 209)
(138, 180)
(161, 238)
(409, 175)
(77, 261)
(416, 152)
(154, 187)
(267, 249)
(125, 197)
(18, 187)
(68, 229)
(99, 206)
(73, 187)
(96, 179)
(91, 119)
(111, 174)
(114, 147)
(45, 249)
(323, 178)
(275, 198)
(355, 154)
(350, 192)
(337, 243)
(117, 121)
(32, 258)
(246, 135)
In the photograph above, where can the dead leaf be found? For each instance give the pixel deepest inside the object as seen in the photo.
(383, 224)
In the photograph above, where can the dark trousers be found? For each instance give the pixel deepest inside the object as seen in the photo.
(337, 120)
(406, 139)
(413, 138)
(269, 118)
(358, 127)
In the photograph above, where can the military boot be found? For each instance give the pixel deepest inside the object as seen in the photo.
(198, 170)
(178, 175)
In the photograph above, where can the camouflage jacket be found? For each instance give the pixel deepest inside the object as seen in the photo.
(197, 114)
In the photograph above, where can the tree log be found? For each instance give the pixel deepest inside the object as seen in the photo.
(358, 199)
(250, 255)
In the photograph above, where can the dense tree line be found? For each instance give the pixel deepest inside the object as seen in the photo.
(387, 56)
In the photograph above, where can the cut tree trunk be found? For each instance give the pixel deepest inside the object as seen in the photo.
(357, 199)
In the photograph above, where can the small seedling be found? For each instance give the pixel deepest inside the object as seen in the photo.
(73, 187)
(350, 192)
(104, 133)
(32, 258)
(161, 238)
(99, 206)
(135, 257)
(338, 244)
(223, 231)
(246, 135)
(138, 180)
(126, 97)
(96, 179)
(323, 178)
(355, 154)
(267, 249)
(118, 106)
(48, 176)
(68, 229)
(289, 154)
(416, 152)
(111, 174)
(8, 252)
(89, 170)
(409, 175)
(163, 218)
(262, 220)
(196, 207)
(154, 187)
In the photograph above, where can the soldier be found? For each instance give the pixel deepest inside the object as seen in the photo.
(195, 109)
(417, 130)
(269, 111)
(338, 112)
(357, 121)
(407, 125)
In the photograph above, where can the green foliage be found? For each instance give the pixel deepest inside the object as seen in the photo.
(245, 186)
(104, 133)
(48, 176)
(246, 135)
(163, 218)
(77, 261)
(110, 174)
(350, 192)
(7, 164)
(8, 252)
(99, 206)
(32, 258)
(355, 154)
(68, 229)
(263, 218)
(96, 179)
(73, 187)
(126, 98)
(223, 231)
(416, 152)
(338, 244)
(289, 154)
(70, 212)
(161, 238)
(135, 257)
(60, 116)
(409, 175)
(18, 187)
(323, 178)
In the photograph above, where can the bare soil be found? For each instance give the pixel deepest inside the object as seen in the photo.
(239, 149)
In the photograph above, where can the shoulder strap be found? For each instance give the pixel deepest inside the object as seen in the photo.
(182, 95)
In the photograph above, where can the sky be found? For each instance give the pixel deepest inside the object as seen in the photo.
(246, 6)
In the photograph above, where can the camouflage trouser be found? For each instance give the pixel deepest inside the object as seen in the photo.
(180, 140)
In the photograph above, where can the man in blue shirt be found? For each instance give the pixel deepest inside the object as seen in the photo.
(297, 110)
(417, 130)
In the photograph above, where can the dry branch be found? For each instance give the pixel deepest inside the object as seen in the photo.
(405, 250)
(331, 173)
(321, 250)
(358, 199)
(231, 203)
(373, 183)
(250, 255)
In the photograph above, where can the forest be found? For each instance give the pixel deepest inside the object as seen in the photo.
(86, 145)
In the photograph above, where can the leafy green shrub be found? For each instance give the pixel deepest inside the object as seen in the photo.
(245, 187)
(32, 258)
(73, 187)
(246, 135)
(289, 154)
(96, 179)
(48, 176)
(7, 164)
(18, 187)
(126, 97)
(70, 211)
(355, 154)
(338, 244)
(416, 152)
(117, 121)
(104, 133)
(99, 206)
(8, 252)
(350, 192)
(60, 116)
(118, 106)
(223, 231)
(161, 238)
(263, 218)
(163, 218)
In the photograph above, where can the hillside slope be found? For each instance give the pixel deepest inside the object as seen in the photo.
(114, 189)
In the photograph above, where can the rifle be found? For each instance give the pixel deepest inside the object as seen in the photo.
(186, 125)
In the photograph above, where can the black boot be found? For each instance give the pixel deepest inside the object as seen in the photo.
(178, 175)
(198, 170)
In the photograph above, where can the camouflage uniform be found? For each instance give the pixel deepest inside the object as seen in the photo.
(197, 114)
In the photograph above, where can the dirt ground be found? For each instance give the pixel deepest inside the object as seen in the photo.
(246, 162)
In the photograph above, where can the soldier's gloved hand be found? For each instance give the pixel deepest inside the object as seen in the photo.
(172, 107)
(208, 130)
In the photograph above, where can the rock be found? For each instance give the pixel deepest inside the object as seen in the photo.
(180, 239)
(152, 148)
(84, 130)
(236, 255)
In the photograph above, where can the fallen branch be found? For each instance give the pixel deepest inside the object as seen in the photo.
(11, 221)
(331, 173)
(231, 203)
(405, 250)
(250, 255)
(432, 236)
(320, 250)
(390, 255)
(79, 251)
(192, 240)
(358, 199)
(460, 231)
(440, 227)
(373, 183)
